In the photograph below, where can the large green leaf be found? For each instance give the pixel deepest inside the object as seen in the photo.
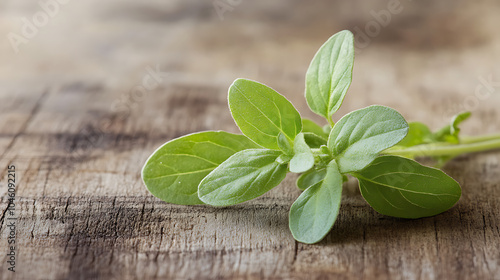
(400, 187)
(313, 214)
(262, 113)
(303, 158)
(359, 136)
(174, 170)
(245, 175)
(330, 74)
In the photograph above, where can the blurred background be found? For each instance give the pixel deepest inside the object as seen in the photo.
(427, 55)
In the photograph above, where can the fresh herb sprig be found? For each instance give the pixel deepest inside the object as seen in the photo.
(374, 144)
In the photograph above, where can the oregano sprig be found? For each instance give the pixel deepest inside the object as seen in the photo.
(373, 144)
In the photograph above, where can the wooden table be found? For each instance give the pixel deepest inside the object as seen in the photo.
(78, 127)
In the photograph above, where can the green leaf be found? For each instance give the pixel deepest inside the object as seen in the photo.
(314, 134)
(284, 144)
(327, 128)
(303, 158)
(330, 73)
(457, 120)
(400, 187)
(450, 132)
(313, 214)
(359, 136)
(172, 173)
(310, 178)
(313, 140)
(262, 113)
(284, 159)
(312, 127)
(418, 133)
(245, 175)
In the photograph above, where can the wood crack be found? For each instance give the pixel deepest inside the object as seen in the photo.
(24, 126)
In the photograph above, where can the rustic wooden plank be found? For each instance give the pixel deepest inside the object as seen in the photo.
(78, 135)
(131, 233)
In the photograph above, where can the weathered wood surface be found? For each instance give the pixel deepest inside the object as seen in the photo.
(78, 135)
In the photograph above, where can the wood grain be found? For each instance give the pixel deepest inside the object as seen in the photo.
(78, 132)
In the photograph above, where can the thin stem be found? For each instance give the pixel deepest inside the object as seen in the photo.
(445, 150)
(330, 122)
(475, 139)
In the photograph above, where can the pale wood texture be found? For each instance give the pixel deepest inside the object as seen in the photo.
(83, 212)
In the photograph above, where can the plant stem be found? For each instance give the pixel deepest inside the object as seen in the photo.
(475, 139)
(446, 150)
(330, 122)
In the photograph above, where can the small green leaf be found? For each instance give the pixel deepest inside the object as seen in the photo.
(310, 178)
(330, 74)
(313, 214)
(303, 158)
(450, 132)
(314, 134)
(327, 128)
(174, 170)
(262, 113)
(418, 133)
(401, 187)
(457, 120)
(313, 140)
(359, 136)
(245, 175)
(324, 149)
(284, 144)
(312, 127)
(284, 159)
